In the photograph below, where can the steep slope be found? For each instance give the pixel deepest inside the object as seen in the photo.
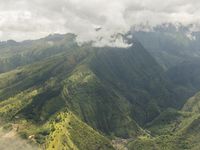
(115, 91)
(176, 48)
(99, 106)
(136, 76)
(173, 129)
(170, 44)
(69, 129)
(193, 104)
(31, 96)
(192, 131)
(77, 88)
(32, 108)
(186, 74)
(14, 54)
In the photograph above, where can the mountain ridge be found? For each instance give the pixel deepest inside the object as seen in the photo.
(110, 92)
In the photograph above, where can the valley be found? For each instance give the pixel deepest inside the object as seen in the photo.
(56, 94)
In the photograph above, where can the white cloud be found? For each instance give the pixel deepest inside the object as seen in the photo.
(30, 19)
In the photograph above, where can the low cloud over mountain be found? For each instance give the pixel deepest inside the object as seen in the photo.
(96, 20)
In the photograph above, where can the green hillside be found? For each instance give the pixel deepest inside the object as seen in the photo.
(14, 54)
(193, 104)
(173, 129)
(65, 96)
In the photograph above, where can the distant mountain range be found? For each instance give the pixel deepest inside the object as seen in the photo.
(170, 44)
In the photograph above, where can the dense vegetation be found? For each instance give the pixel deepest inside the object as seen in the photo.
(59, 95)
(173, 129)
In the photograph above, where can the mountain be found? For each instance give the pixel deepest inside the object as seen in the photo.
(173, 129)
(176, 49)
(186, 74)
(60, 95)
(14, 54)
(104, 87)
(193, 104)
(170, 44)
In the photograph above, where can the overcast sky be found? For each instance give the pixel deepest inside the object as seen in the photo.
(31, 19)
